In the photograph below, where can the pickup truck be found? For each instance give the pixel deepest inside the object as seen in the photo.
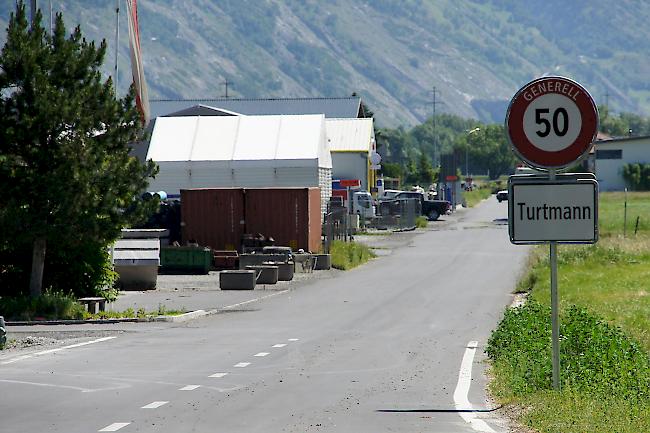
(432, 209)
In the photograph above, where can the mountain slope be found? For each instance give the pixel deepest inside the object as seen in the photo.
(476, 53)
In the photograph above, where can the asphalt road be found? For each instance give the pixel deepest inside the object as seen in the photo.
(377, 349)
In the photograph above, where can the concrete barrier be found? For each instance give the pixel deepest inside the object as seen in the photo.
(260, 259)
(237, 279)
(267, 274)
(285, 270)
(323, 262)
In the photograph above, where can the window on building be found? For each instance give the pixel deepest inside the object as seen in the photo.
(609, 154)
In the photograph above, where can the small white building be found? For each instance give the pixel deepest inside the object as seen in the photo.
(612, 154)
(351, 143)
(240, 152)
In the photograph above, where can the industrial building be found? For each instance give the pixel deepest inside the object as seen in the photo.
(241, 152)
(613, 153)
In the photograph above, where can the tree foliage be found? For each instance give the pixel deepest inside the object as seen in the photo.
(485, 146)
(68, 179)
(622, 124)
(637, 176)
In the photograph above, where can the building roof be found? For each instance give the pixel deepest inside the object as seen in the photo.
(240, 138)
(348, 107)
(202, 110)
(622, 140)
(350, 135)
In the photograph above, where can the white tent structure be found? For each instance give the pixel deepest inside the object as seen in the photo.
(241, 152)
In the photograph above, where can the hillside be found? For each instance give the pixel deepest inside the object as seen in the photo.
(475, 52)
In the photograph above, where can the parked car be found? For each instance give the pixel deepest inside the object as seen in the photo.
(432, 209)
(502, 195)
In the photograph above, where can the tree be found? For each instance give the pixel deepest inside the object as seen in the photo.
(426, 172)
(489, 149)
(68, 179)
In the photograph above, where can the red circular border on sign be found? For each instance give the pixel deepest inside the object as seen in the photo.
(533, 154)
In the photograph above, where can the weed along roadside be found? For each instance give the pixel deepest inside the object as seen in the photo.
(604, 332)
(349, 255)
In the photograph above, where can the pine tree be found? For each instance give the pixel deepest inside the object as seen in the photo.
(66, 173)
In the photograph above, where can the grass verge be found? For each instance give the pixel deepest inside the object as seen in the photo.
(348, 255)
(475, 196)
(61, 306)
(421, 222)
(605, 332)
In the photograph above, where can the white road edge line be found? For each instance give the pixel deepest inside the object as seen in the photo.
(261, 354)
(154, 405)
(115, 426)
(461, 398)
(279, 345)
(189, 387)
(218, 375)
(248, 302)
(58, 349)
(242, 364)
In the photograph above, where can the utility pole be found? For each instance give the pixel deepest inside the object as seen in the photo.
(436, 150)
(226, 82)
(34, 7)
(607, 99)
(117, 44)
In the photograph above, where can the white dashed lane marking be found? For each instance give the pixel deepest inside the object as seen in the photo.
(189, 387)
(218, 375)
(155, 405)
(279, 345)
(242, 364)
(294, 339)
(115, 426)
(261, 354)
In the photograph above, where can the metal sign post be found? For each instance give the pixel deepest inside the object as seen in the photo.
(555, 307)
(552, 123)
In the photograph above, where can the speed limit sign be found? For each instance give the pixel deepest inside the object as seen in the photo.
(552, 122)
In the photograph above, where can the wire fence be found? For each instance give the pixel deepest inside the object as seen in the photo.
(399, 214)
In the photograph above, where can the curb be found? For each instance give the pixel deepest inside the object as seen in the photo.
(181, 317)
(173, 319)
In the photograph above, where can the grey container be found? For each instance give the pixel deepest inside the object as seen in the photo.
(267, 274)
(237, 280)
(323, 262)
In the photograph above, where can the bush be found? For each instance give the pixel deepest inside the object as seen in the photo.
(80, 268)
(50, 306)
(595, 358)
(421, 222)
(348, 255)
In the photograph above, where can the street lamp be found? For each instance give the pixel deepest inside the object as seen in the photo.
(467, 150)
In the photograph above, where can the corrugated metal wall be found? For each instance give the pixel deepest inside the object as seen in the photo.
(286, 215)
(213, 216)
(175, 176)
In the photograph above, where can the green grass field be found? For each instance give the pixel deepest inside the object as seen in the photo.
(610, 280)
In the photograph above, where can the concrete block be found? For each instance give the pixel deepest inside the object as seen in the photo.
(323, 262)
(285, 270)
(259, 259)
(267, 274)
(237, 280)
